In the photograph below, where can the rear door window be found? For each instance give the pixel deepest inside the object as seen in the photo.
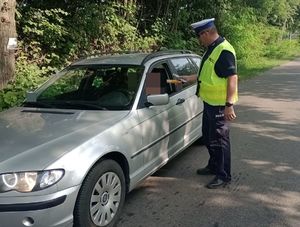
(184, 70)
(196, 61)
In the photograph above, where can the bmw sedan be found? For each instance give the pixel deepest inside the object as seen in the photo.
(92, 133)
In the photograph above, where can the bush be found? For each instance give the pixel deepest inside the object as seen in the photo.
(50, 38)
(44, 35)
(244, 32)
(28, 77)
(113, 28)
(283, 49)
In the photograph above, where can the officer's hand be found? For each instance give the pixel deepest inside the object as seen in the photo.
(229, 113)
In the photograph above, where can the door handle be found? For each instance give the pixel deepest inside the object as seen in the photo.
(179, 101)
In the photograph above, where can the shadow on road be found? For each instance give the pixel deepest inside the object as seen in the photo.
(265, 190)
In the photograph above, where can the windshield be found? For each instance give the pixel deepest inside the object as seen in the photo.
(92, 87)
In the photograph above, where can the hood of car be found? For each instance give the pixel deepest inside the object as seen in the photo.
(37, 137)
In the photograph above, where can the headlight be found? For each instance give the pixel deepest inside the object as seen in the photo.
(29, 181)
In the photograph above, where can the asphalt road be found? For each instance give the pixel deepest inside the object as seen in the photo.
(265, 190)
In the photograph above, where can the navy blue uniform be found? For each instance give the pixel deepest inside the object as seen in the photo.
(215, 128)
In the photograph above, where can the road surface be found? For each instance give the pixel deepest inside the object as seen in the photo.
(265, 190)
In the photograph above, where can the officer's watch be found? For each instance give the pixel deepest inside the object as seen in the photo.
(228, 104)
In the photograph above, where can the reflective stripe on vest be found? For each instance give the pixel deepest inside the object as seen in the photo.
(213, 89)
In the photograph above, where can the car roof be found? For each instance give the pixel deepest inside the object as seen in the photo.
(128, 58)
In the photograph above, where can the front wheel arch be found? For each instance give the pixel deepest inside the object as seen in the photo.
(122, 161)
(101, 196)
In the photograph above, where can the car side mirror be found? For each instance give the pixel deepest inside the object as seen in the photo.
(157, 100)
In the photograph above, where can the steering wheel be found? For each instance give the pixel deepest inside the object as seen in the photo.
(119, 97)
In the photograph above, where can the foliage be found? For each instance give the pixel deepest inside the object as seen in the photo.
(275, 55)
(104, 29)
(53, 33)
(27, 79)
(243, 35)
(284, 49)
(44, 36)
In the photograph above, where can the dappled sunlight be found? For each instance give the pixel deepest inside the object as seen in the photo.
(254, 192)
(154, 183)
(284, 168)
(278, 84)
(193, 108)
(295, 171)
(225, 201)
(257, 162)
(283, 201)
(272, 168)
(275, 107)
(272, 132)
(264, 190)
(28, 122)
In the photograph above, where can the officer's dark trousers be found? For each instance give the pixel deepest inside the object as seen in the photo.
(216, 137)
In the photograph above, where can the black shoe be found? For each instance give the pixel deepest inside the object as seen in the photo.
(217, 183)
(205, 171)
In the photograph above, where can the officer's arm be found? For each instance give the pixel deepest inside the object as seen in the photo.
(232, 82)
(229, 113)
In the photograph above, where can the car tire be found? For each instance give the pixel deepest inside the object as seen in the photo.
(101, 196)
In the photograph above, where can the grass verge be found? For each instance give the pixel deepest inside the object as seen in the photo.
(285, 51)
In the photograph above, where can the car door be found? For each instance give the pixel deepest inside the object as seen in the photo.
(159, 123)
(191, 120)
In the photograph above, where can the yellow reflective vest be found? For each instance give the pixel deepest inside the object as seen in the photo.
(213, 89)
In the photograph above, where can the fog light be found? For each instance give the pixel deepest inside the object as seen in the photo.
(28, 221)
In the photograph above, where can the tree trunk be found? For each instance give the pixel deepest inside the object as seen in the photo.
(7, 30)
(176, 17)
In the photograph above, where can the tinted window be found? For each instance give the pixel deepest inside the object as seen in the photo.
(93, 87)
(197, 61)
(185, 70)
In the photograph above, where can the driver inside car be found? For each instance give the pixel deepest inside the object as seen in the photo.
(116, 92)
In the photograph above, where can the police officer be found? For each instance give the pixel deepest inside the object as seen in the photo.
(217, 87)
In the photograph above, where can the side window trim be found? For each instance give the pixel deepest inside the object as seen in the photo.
(175, 71)
(194, 63)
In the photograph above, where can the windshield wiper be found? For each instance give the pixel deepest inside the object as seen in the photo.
(65, 104)
(38, 104)
(81, 105)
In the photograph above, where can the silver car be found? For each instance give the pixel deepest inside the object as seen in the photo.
(91, 133)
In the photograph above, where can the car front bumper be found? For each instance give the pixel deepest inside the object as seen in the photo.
(55, 210)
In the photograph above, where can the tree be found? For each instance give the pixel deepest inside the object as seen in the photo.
(7, 30)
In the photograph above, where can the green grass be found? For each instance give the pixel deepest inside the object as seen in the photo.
(249, 70)
(285, 51)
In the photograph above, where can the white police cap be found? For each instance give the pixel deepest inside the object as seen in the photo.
(202, 25)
